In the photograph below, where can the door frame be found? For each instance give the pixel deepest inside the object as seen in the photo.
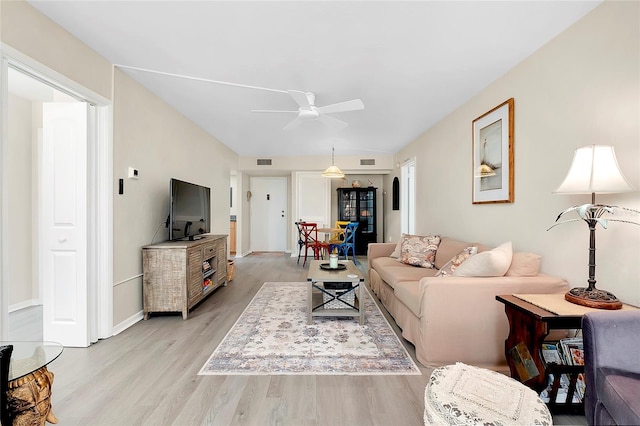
(99, 196)
(408, 196)
(252, 212)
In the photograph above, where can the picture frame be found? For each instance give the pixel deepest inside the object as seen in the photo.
(492, 156)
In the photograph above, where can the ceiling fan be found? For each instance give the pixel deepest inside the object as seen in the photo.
(308, 111)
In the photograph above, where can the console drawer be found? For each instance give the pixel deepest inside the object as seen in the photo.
(209, 251)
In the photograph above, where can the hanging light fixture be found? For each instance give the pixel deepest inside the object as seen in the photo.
(332, 171)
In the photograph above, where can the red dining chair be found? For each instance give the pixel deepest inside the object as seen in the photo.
(310, 238)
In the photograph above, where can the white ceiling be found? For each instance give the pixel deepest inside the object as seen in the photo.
(411, 63)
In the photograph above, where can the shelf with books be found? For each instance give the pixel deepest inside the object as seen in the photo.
(564, 366)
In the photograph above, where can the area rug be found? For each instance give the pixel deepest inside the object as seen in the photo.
(272, 337)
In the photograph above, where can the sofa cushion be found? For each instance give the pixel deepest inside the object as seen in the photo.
(619, 392)
(456, 261)
(408, 292)
(447, 249)
(392, 271)
(492, 263)
(419, 250)
(524, 264)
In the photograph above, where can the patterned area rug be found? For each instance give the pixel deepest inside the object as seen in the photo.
(272, 337)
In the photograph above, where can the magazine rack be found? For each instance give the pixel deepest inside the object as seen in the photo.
(529, 325)
(568, 406)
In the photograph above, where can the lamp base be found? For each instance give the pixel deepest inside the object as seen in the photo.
(593, 298)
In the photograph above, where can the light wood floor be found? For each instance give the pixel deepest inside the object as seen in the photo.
(147, 375)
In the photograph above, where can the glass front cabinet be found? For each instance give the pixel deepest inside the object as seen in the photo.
(359, 205)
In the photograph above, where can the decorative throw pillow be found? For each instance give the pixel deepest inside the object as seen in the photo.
(524, 264)
(456, 261)
(397, 250)
(419, 250)
(492, 263)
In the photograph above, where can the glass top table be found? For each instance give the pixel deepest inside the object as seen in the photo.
(28, 357)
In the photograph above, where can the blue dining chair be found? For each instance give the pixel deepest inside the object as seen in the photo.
(349, 243)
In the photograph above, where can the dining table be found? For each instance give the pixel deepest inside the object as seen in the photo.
(329, 233)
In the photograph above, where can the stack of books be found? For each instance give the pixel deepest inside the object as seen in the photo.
(569, 351)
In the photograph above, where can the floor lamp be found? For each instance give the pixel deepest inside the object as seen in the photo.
(594, 170)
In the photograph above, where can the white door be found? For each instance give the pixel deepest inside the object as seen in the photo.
(408, 197)
(268, 207)
(63, 271)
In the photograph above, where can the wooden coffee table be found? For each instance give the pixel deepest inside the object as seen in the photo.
(317, 306)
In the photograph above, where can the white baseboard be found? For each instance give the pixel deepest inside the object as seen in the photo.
(119, 328)
(24, 304)
(246, 253)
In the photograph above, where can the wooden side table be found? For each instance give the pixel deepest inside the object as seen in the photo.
(530, 325)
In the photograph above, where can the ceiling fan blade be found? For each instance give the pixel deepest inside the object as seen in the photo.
(273, 110)
(295, 123)
(332, 122)
(353, 105)
(303, 99)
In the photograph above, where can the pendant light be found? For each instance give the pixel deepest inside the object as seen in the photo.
(332, 171)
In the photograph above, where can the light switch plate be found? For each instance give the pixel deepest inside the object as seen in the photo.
(133, 173)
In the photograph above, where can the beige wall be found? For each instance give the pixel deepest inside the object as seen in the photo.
(581, 88)
(19, 197)
(347, 163)
(147, 134)
(161, 144)
(36, 36)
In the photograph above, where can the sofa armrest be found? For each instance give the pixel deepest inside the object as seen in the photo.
(463, 314)
(379, 250)
(611, 340)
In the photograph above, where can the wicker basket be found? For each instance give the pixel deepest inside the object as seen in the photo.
(338, 289)
(231, 269)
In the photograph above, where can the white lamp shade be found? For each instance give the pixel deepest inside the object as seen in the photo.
(594, 169)
(333, 172)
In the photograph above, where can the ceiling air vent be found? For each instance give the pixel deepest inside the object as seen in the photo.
(367, 161)
(264, 161)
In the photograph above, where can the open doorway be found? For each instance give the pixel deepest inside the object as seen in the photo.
(408, 197)
(30, 196)
(56, 178)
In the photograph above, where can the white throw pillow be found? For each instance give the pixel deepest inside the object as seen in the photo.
(491, 263)
(397, 250)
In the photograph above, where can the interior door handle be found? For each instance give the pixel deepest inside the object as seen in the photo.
(62, 239)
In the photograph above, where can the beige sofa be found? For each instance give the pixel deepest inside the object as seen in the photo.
(453, 318)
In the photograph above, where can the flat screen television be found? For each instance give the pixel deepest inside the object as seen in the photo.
(190, 210)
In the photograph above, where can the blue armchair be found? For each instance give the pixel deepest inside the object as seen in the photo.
(612, 367)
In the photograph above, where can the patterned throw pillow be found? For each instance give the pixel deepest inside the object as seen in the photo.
(419, 250)
(456, 261)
